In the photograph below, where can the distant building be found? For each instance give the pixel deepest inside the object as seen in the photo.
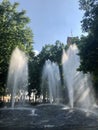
(72, 40)
(69, 40)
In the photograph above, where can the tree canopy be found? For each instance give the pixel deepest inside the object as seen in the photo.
(14, 31)
(89, 44)
(52, 52)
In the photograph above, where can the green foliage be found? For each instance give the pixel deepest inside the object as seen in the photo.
(34, 75)
(90, 8)
(13, 32)
(89, 44)
(88, 54)
(52, 52)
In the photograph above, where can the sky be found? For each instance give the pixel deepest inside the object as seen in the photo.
(52, 20)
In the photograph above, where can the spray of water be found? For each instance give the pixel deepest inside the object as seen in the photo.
(18, 75)
(51, 81)
(79, 85)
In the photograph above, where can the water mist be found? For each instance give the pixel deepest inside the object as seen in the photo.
(79, 85)
(51, 82)
(18, 76)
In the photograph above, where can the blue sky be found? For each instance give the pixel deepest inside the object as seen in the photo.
(52, 20)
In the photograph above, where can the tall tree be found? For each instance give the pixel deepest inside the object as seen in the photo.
(89, 44)
(14, 31)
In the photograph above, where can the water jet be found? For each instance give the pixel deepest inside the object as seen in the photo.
(18, 76)
(79, 85)
(52, 116)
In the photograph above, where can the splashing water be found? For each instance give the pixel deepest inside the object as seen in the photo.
(18, 76)
(79, 85)
(51, 81)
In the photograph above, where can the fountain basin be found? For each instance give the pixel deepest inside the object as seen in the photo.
(47, 117)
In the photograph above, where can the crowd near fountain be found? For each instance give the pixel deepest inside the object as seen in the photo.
(56, 113)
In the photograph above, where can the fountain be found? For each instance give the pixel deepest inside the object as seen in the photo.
(18, 76)
(79, 85)
(51, 82)
(80, 113)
